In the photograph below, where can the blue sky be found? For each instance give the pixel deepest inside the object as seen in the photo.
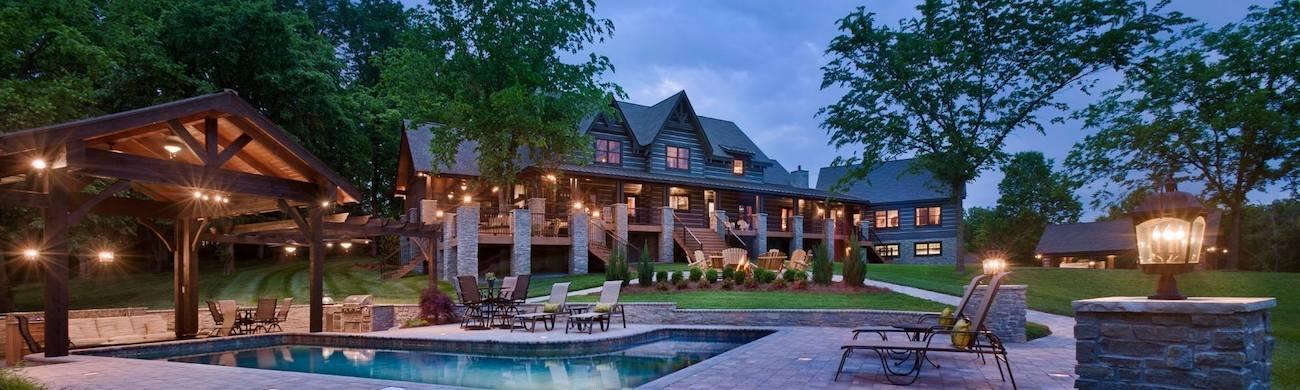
(758, 63)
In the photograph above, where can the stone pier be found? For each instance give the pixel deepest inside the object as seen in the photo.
(521, 252)
(760, 234)
(578, 251)
(666, 236)
(796, 230)
(467, 240)
(1006, 318)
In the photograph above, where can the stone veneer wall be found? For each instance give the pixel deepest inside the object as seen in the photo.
(1139, 343)
(1007, 316)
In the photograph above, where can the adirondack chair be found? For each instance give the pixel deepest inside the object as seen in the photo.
(700, 260)
(798, 260)
(737, 257)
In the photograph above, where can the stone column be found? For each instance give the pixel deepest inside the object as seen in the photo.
(467, 240)
(447, 268)
(521, 253)
(620, 220)
(405, 249)
(578, 250)
(1134, 342)
(1007, 316)
(666, 235)
(760, 234)
(720, 216)
(828, 232)
(796, 230)
(866, 232)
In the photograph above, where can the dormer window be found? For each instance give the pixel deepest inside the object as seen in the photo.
(609, 152)
(738, 167)
(677, 158)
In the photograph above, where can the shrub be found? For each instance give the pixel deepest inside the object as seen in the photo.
(10, 379)
(711, 276)
(661, 276)
(765, 276)
(681, 283)
(696, 274)
(661, 286)
(778, 284)
(616, 268)
(728, 284)
(677, 277)
(728, 274)
(704, 283)
(791, 275)
(644, 269)
(414, 323)
(751, 283)
(739, 276)
(801, 284)
(855, 270)
(822, 269)
(436, 307)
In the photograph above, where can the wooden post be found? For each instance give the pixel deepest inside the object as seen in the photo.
(185, 279)
(317, 267)
(54, 251)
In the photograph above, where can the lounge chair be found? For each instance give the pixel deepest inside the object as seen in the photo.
(281, 314)
(602, 312)
(547, 313)
(798, 260)
(922, 321)
(467, 291)
(229, 311)
(894, 354)
(700, 260)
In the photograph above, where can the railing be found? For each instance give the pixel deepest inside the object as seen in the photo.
(729, 234)
(550, 225)
(813, 225)
(643, 216)
(612, 242)
(494, 221)
(688, 238)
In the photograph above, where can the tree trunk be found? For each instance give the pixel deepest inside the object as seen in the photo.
(1233, 229)
(961, 239)
(228, 259)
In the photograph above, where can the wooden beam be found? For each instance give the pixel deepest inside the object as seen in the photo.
(286, 224)
(316, 285)
(84, 208)
(109, 206)
(54, 255)
(115, 165)
(158, 232)
(231, 150)
(185, 280)
(210, 141)
(293, 214)
(183, 133)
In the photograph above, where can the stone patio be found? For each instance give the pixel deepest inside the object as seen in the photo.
(794, 357)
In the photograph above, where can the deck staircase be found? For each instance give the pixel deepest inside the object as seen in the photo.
(709, 240)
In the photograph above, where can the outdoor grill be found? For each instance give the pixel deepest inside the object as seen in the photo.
(355, 313)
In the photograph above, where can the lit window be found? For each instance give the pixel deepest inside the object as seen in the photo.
(887, 250)
(678, 158)
(927, 216)
(929, 248)
(609, 152)
(679, 202)
(886, 219)
(737, 167)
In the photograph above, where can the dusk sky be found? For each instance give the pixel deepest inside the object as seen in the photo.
(758, 63)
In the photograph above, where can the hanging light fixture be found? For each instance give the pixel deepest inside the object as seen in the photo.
(346, 245)
(105, 256)
(39, 164)
(173, 146)
(31, 254)
(290, 249)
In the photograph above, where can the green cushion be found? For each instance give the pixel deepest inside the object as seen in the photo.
(945, 318)
(603, 308)
(551, 308)
(961, 340)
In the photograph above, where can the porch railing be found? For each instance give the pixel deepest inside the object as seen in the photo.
(689, 242)
(494, 221)
(643, 216)
(729, 234)
(550, 224)
(813, 225)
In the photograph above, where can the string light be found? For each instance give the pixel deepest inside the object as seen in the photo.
(325, 203)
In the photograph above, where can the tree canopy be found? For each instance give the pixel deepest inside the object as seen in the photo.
(1031, 196)
(495, 73)
(950, 85)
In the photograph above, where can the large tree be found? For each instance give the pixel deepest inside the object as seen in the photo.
(950, 85)
(495, 73)
(1031, 196)
(1219, 107)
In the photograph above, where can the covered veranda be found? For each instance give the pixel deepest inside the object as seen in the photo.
(190, 161)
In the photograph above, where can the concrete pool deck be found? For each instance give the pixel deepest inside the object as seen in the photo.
(793, 357)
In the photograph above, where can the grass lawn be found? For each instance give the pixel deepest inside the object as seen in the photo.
(541, 285)
(717, 299)
(1052, 290)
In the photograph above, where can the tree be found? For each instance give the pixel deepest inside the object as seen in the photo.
(1219, 107)
(1268, 236)
(1031, 197)
(950, 85)
(492, 72)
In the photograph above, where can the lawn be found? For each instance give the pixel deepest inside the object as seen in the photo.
(541, 285)
(1052, 289)
(716, 299)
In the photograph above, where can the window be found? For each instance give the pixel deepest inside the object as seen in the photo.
(887, 250)
(886, 219)
(737, 166)
(679, 202)
(927, 216)
(609, 152)
(678, 158)
(929, 248)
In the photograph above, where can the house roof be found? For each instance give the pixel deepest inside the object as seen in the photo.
(465, 164)
(1107, 236)
(786, 189)
(891, 182)
(646, 122)
(726, 139)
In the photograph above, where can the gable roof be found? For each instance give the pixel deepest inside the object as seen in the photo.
(890, 182)
(1103, 236)
(646, 122)
(726, 139)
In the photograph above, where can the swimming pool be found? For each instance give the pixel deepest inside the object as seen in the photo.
(606, 363)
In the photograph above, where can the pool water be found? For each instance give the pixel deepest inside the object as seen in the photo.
(628, 367)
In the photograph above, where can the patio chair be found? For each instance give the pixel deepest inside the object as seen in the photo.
(700, 260)
(798, 260)
(894, 354)
(265, 314)
(737, 257)
(217, 319)
(603, 312)
(547, 314)
(516, 297)
(467, 291)
(921, 321)
(229, 317)
(281, 314)
(507, 286)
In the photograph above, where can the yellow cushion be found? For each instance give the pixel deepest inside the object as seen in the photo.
(961, 340)
(945, 318)
(603, 308)
(551, 308)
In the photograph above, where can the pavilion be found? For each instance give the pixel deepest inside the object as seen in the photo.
(190, 161)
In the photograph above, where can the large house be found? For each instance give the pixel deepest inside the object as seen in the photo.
(661, 175)
(911, 217)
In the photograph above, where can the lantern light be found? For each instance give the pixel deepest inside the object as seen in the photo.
(437, 214)
(31, 254)
(596, 213)
(105, 256)
(463, 187)
(1170, 227)
(495, 189)
(290, 249)
(225, 199)
(550, 177)
(39, 164)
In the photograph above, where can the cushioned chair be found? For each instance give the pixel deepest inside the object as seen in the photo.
(927, 323)
(603, 312)
(554, 307)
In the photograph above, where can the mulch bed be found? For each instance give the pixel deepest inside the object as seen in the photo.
(835, 288)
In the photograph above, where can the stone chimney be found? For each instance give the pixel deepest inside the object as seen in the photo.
(799, 177)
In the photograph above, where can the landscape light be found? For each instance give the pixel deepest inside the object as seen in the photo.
(1170, 228)
(31, 254)
(105, 256)
(39, 164)
(994, 266)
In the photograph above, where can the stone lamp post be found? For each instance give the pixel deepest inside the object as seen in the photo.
(1170, 229)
